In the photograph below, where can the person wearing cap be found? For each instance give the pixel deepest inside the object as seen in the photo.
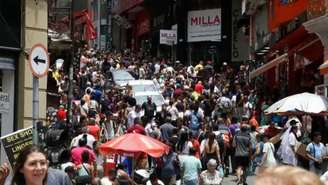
(211, 176)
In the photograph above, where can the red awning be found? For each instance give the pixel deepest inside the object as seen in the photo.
(291, 40)
(300, 42)
(273, 63)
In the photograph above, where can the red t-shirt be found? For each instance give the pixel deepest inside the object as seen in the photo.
(137, 128)
(61, 114)
(76, 154)
(199, 88)
(253, 122)
(94, 130)
(272, 131)
(196, 146)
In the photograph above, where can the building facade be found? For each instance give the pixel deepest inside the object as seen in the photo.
(285, 52)
(24, 24)
(137, 24)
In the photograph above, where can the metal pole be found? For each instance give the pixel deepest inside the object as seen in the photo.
(70, 72)
(35, 109)
(99, 23)
(172, 50)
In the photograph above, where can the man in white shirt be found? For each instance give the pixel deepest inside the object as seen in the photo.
(90, 139)
(172, 109)
(134, 114)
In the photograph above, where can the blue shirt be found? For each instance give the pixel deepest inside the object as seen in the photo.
(190, 166)
(315, 150)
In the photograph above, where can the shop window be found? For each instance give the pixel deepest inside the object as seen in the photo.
(10, 23)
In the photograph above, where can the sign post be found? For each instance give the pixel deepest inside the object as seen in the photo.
(168, 37)
(39, 65)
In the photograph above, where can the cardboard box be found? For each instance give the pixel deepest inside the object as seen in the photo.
(301, 151)
(274, 140)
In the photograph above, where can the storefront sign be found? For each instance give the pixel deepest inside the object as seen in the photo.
(15, 142)
(168, 37)
(4, 102)
(204, 25)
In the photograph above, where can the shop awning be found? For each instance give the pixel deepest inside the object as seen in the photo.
(324, 68)
(290, 40)
(269, 65)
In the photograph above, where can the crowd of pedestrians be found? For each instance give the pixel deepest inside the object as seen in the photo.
(212, 119)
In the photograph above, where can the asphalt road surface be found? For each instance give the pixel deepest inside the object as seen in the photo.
(231, 180)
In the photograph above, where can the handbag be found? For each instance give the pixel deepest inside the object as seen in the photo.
(83, 179)
(221, 171)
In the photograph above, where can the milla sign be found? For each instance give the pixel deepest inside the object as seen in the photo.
(168, 37)
(204, 25)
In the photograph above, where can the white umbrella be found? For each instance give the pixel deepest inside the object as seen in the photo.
(304, 103)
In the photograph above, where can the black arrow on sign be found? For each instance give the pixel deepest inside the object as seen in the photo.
(37, 60)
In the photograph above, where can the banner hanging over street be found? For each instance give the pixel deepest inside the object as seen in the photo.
(204, 25)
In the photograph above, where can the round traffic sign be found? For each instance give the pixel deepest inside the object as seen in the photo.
(39, 60)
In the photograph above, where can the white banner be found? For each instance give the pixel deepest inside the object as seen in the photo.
(168, 37)
(204, 25)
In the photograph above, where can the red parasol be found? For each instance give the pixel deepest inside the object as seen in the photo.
(133, 143)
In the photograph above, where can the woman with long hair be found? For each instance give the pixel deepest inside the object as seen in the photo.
(31, 167)
(184, 144)
(212, 150)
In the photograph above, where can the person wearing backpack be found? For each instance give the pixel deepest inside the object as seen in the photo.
(85, 170)
(195, 121)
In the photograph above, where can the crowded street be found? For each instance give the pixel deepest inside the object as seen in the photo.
(166, 92)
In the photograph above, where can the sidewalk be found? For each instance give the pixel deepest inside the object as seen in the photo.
(230, 180)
